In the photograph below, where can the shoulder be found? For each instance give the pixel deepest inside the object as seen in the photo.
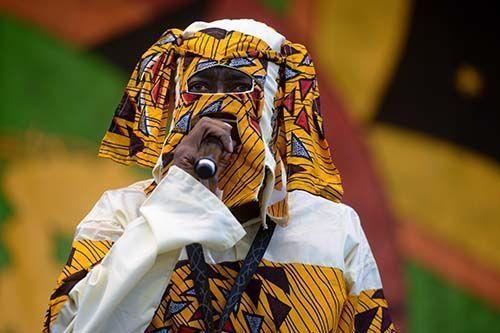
(306, 208)
(327, 219)
(112, 212)
(323, 230)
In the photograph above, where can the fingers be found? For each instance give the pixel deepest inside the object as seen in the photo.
(190, 148)
(226, 140)
(185, 157)
(224, 160)
(213, 127)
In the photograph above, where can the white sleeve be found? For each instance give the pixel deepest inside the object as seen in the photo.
(122, 293)
(361, 270)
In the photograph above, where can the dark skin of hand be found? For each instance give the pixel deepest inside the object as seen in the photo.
(218, 79)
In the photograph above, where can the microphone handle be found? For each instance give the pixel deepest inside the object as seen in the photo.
(211, 150)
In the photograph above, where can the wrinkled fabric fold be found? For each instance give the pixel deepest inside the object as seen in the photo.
(122, 292)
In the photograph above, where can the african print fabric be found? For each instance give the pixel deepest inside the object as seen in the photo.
(242, 179)
(280, 297)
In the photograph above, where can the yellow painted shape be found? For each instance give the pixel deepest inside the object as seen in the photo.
(358, 45)
(469, 81)
(452, 192)
(50, 189)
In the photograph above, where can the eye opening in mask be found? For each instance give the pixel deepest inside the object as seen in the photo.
(220, 79)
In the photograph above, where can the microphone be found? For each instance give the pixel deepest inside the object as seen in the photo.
(211, 149)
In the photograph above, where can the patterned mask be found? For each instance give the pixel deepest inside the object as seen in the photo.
(241, 180)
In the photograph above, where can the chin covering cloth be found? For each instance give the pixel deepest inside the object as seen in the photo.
(283, 144)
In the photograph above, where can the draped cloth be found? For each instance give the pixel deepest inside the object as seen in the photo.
(156, 111)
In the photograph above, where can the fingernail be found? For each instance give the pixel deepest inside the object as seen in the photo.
(228, 125)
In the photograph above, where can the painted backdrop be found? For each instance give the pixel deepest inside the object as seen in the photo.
(408, 94)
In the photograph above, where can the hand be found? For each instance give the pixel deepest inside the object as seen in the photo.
(188, 150)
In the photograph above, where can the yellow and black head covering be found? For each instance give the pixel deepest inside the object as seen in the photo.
(283, 144)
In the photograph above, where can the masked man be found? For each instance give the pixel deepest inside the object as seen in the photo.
(265, 246)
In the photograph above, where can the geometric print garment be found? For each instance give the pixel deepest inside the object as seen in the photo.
(366, 312)
(84, 255)
(280, 297)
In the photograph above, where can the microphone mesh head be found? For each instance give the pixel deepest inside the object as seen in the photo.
(205, 168)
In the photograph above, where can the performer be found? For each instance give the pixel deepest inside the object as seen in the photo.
(265, 245)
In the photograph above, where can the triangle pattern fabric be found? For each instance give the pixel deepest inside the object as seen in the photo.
(183, 123)
(378, 294)
(189, 98)
(155, 93)
(254, 322)
(261, 80)
(275, 275)
(143, 122)
(364, 320)
(319, 127)
(256, 97)
(289, 50)
(288, 102)
(232, 265)
(188, 59)
(214, 274)
(279, 310)
(254, 123)
(145, 63)
(125, 109)
(189, 292)
(298, 148)
(212, 108)
(253, 291)
(175, 307)
(228, 327)
(240, 62)
(197, 315)
(224, 292)
(180, 264)
(306, 61)
(386, 319)
(305, 87)
(168, 38)
(317, 106)
(114, 128)
(167, 158)
(156, 66)
(205, 64)
(303, 121)
(290, 73)
(136, 144)
(294, 168)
